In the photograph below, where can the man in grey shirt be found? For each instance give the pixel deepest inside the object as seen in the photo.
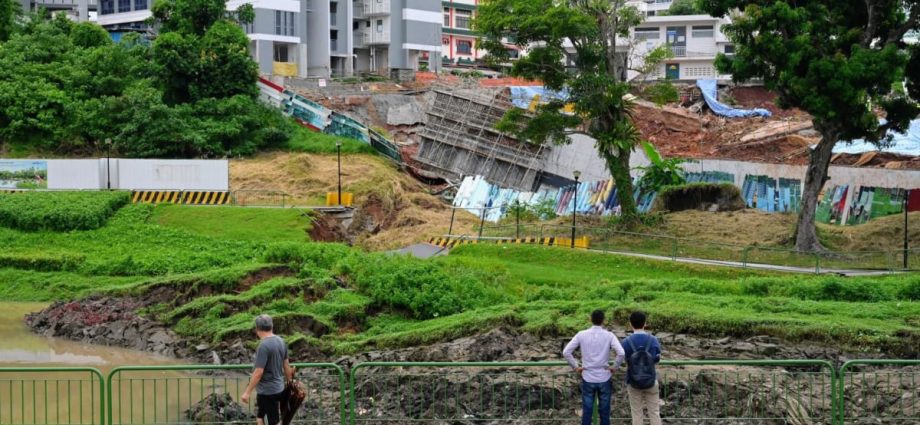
(272, 371)
(595, 344)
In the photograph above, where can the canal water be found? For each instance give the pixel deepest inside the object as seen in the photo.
(74, 398)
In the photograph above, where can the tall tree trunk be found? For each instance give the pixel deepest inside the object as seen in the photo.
(619, 169)
(806, 235)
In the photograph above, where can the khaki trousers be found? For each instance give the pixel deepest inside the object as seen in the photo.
(644, 399)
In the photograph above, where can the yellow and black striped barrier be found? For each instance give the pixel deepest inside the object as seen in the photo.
(582, 242)
(180, 197)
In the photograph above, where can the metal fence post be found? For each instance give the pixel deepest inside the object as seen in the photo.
(744, 256)
(674, 249)
(817, 263)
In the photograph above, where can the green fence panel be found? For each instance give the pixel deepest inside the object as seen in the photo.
(879, 392)
(74, 396)
(712, 392)
(171, 395)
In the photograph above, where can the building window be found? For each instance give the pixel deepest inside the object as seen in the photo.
(648, 33)
(462, 20)
(513, 54)
(140, 4)
(464, 47)
(447, 17)
(650, 13)
(334, 40)
(124, 6)
(333, 13)
(107, 7)
(729, 49)
(704, 31)
(284, 23)
(247, 28)
(380, 25)
(281, 52)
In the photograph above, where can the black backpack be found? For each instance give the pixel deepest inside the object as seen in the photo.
(641, 366)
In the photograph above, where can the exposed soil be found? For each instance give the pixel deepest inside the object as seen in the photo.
(393, 209)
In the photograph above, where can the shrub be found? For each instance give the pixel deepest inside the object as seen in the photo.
(59, 211)
(698, 196)
(662, 93)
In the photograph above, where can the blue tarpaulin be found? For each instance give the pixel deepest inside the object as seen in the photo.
(904, 144)
(710, 88)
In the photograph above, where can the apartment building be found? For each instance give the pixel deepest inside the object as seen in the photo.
(396, 35)
(695, 40)
(78, 10)
(459, 46)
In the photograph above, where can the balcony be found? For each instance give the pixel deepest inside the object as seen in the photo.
(376, 7)
(682, 52)
(374, 37)
(360, 42)
(358, 7)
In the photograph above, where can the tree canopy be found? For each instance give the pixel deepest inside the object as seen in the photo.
(190, 93)
(843, 62)
(684, 7)
(596, 87)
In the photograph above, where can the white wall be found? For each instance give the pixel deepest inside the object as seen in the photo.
(177, 174)
(139, 174)
(76, 174)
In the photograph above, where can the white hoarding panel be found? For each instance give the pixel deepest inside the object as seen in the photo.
(173, 174)
(76, 174)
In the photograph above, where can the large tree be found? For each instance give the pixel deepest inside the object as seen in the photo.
(595, 86)
(844, 62)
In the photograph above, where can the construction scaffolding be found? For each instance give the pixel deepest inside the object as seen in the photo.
(460, 139)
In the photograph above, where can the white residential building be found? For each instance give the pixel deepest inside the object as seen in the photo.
(695, 40)
(318, 38)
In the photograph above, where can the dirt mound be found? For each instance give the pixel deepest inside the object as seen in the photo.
(392, 208)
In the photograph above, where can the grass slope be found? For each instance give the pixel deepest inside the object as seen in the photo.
(213, 269)
(231, 223)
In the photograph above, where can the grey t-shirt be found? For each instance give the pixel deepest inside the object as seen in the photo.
(270, 355)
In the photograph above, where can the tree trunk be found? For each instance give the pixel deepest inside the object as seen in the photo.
(806, 235)
(619, 169)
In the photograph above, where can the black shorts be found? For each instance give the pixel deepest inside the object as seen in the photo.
(268, 407)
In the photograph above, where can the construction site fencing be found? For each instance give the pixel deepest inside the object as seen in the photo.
(879, 392)
(168, 395)
(611, 240)
(712, 392)
(75, 396)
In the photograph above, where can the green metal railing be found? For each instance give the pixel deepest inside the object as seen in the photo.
(707, 391)
(790, 391)
(879, 389)
(164, 395)
(29, 396)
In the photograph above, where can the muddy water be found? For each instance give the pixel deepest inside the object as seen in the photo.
(74, 397)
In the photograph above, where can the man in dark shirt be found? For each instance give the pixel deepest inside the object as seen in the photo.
(642, 398)
(272, 370)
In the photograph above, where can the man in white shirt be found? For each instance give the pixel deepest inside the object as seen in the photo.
(595, 344)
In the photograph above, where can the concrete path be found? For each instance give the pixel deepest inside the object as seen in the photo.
(768, 267)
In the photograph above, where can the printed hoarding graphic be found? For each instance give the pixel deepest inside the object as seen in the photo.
(23, 174)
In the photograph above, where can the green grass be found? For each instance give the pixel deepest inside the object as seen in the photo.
(235, 224)
(61, 211)
(308, 141)
(214, 269)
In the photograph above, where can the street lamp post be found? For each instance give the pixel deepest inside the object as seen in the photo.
(338, 155)
(577, 174)
(906, 243)
(108, 172)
